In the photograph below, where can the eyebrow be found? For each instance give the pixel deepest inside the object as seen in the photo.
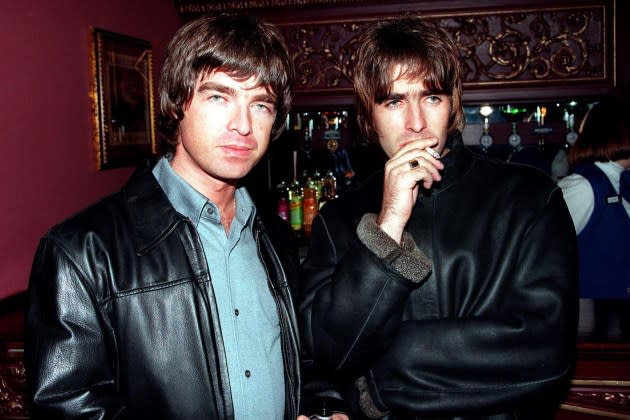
(206, 86)
(404, 95)
(396, 95)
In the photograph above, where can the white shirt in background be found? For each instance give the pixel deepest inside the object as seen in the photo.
(579, 196)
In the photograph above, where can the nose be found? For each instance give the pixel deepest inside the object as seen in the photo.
(415, 119)
(240, 119)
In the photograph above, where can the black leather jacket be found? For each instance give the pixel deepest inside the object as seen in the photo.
(122, 320)
(490, 329)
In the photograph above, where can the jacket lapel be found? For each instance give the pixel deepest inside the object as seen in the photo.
(152, 213)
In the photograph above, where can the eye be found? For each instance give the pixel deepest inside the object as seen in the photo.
(393, 103)
(434, 99)
(216, 98)
(264, 107)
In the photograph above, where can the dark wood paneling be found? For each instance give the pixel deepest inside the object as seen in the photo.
(601, 384)
(526, 51)
(12, 374)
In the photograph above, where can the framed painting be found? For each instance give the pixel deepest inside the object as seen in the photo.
(121, 92)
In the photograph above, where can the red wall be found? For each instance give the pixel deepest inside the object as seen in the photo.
(46, 160)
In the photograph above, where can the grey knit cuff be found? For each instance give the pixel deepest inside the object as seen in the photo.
(366, 402)
(405, 258)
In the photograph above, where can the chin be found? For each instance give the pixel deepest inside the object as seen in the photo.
(234, 176)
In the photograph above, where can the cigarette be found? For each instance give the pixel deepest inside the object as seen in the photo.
(432, 152)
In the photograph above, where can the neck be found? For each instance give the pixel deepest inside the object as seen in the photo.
(221, 192)
(227, 214)
(625, 163)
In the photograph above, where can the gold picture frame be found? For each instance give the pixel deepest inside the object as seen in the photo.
(121, 92)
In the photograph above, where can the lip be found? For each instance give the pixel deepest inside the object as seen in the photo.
(237, 150)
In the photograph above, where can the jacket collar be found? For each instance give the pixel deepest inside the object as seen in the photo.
(457, 163)
(151, 212)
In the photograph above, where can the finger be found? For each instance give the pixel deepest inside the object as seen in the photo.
(419, 143)
(427, 155)
(423, 169)
(407, 174)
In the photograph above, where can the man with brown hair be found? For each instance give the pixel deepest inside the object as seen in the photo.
(446, 286)
(168, 299)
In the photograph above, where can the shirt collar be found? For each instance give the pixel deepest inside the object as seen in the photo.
(245, 208)
(190, 202)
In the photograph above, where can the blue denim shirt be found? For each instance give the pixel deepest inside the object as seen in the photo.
(247, 310)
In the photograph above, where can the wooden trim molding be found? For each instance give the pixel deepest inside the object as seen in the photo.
(601, 383)
(547, 46)
(594, 412)
(13, 404)
(195, 7)
(604, 398)
(508, 49)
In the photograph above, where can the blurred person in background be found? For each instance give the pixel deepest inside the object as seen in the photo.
(598, 196)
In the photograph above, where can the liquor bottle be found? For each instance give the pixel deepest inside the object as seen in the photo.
(296, 215)
(304, 181)
(282, 200)
(283, 209)
(330, 186)
(317, 182)
(349, 181)
(323, 412)
(309, 210)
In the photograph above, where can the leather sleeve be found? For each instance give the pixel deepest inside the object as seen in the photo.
(522, 351)
(512, 348)
(352, 300)
(68, 353)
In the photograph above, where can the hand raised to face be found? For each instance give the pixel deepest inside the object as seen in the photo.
(415, 163)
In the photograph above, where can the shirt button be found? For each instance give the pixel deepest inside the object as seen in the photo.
(248, 374)
(236, 312)
(210, 211)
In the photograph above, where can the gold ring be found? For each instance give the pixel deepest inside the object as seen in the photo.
(413, 163)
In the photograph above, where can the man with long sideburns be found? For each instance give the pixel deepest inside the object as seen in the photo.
(447, 286)
(170, 299)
